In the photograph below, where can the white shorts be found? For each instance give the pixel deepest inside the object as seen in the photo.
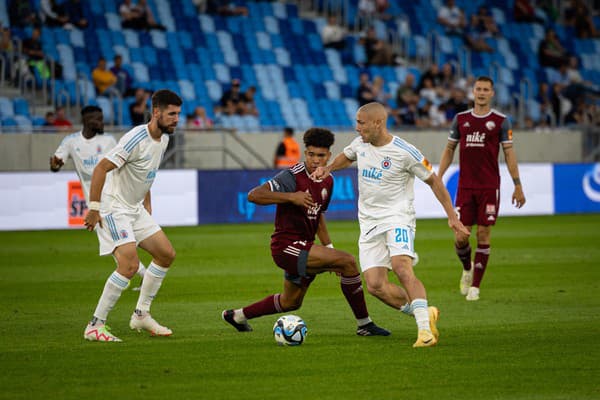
(124, 226)
(376, 249)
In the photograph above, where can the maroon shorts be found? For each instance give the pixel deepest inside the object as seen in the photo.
(478, 206)
(292, 256)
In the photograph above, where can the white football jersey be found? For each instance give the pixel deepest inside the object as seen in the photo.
(386, 177)
(137, 157)
(86, 153)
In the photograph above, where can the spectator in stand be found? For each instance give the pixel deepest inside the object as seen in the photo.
(60, 120)
(7, 52)
(524, 11)
(407, 101)
(551, 52)
(457, 103)
(138, 16)
(49, 119)
(32, 49)
(452, 18)
(448, 79)
(434, 74)
(199, 120)
(379, 92)
(123, 76)
(484, 24)
(53, 14)
(429, 92)
(138, 110)
(579, 16)
(103, 78)
(333, 35)
(378, 51)
(21, 13)
(370, 9)
(232, 101)
(225, 8)
(249, 105)
(364, 93)
(75, 13)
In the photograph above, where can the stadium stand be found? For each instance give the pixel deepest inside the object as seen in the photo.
(278, 49)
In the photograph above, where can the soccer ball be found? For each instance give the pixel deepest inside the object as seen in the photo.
(289, 330)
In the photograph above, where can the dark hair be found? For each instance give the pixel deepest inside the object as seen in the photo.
(90, 109)
(288, 130)
(484, 78)
(318, 137)
(164, 98)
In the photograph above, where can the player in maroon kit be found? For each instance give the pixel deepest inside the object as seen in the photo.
(480, 131)
(301, 203)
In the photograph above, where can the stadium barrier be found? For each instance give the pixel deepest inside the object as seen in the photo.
(43, 200)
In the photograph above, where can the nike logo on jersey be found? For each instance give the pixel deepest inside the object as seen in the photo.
(476, 139)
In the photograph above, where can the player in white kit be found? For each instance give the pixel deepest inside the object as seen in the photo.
(387, 166)
(123, 221)
(86, 148)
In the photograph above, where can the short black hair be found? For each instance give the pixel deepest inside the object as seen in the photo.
(318, 137)
(288, 130)
(90, 109)
(164, 98)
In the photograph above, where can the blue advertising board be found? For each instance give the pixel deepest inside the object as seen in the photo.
(222, 196)
(576, 188)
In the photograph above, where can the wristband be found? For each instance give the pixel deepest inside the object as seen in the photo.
(330, 245)
(94, 206)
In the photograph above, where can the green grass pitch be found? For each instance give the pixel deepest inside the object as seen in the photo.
(535, 333)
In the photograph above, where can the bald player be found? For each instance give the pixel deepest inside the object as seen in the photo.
(387, 166)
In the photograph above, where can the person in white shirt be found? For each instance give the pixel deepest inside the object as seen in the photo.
(387, 166)
(124, 222)
(86, 148)
(333, 35)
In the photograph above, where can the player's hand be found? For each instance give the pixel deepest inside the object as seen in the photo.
(459, 229)
(56, 163)
(518, 198)
(302, 199)
(319, 173)
(91, 219)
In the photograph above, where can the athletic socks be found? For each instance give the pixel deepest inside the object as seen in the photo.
(419, 307)
(407, 309)
(153, 278)
(464, 254)
(267, 306)
(482, 254)
(114, 286)
(353, 291)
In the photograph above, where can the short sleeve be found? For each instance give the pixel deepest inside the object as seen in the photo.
(283, 182)
(63, 150)
(506, 131)
(454, 133)
(351, 150)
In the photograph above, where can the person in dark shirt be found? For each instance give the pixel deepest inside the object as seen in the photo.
(232, 101)
(301, 204)
(479, 132)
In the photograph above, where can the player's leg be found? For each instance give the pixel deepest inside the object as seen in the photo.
(482, 255)
(116, 237)
(321, 259)
(467, 212)
(294, 290)
(489, 202)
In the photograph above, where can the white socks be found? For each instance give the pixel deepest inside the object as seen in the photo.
(153, 278)
(141, 270)
(419, 308)
(114, 286)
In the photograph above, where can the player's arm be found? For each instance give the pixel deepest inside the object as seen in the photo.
(441, 193)
(263, 195)
(518, 197)
(98, 178)
(56, 163)
(323, 232)
(339, 162)
(148, 202)
(447, 157)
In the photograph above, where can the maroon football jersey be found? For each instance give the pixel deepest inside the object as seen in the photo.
(299, 223)
(480, 137)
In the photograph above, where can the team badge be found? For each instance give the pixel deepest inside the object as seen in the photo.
(490, 125)
(123, 234)
(324, 194)
(386, 163)
(99, 149)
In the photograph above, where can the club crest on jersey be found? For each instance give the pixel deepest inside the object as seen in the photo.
(99, 149)
(123, 234)
(386, 163)
(490, 125)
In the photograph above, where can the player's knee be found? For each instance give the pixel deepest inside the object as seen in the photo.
(375, 288)
(166, 258)
(290, 304)
(350, 266)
